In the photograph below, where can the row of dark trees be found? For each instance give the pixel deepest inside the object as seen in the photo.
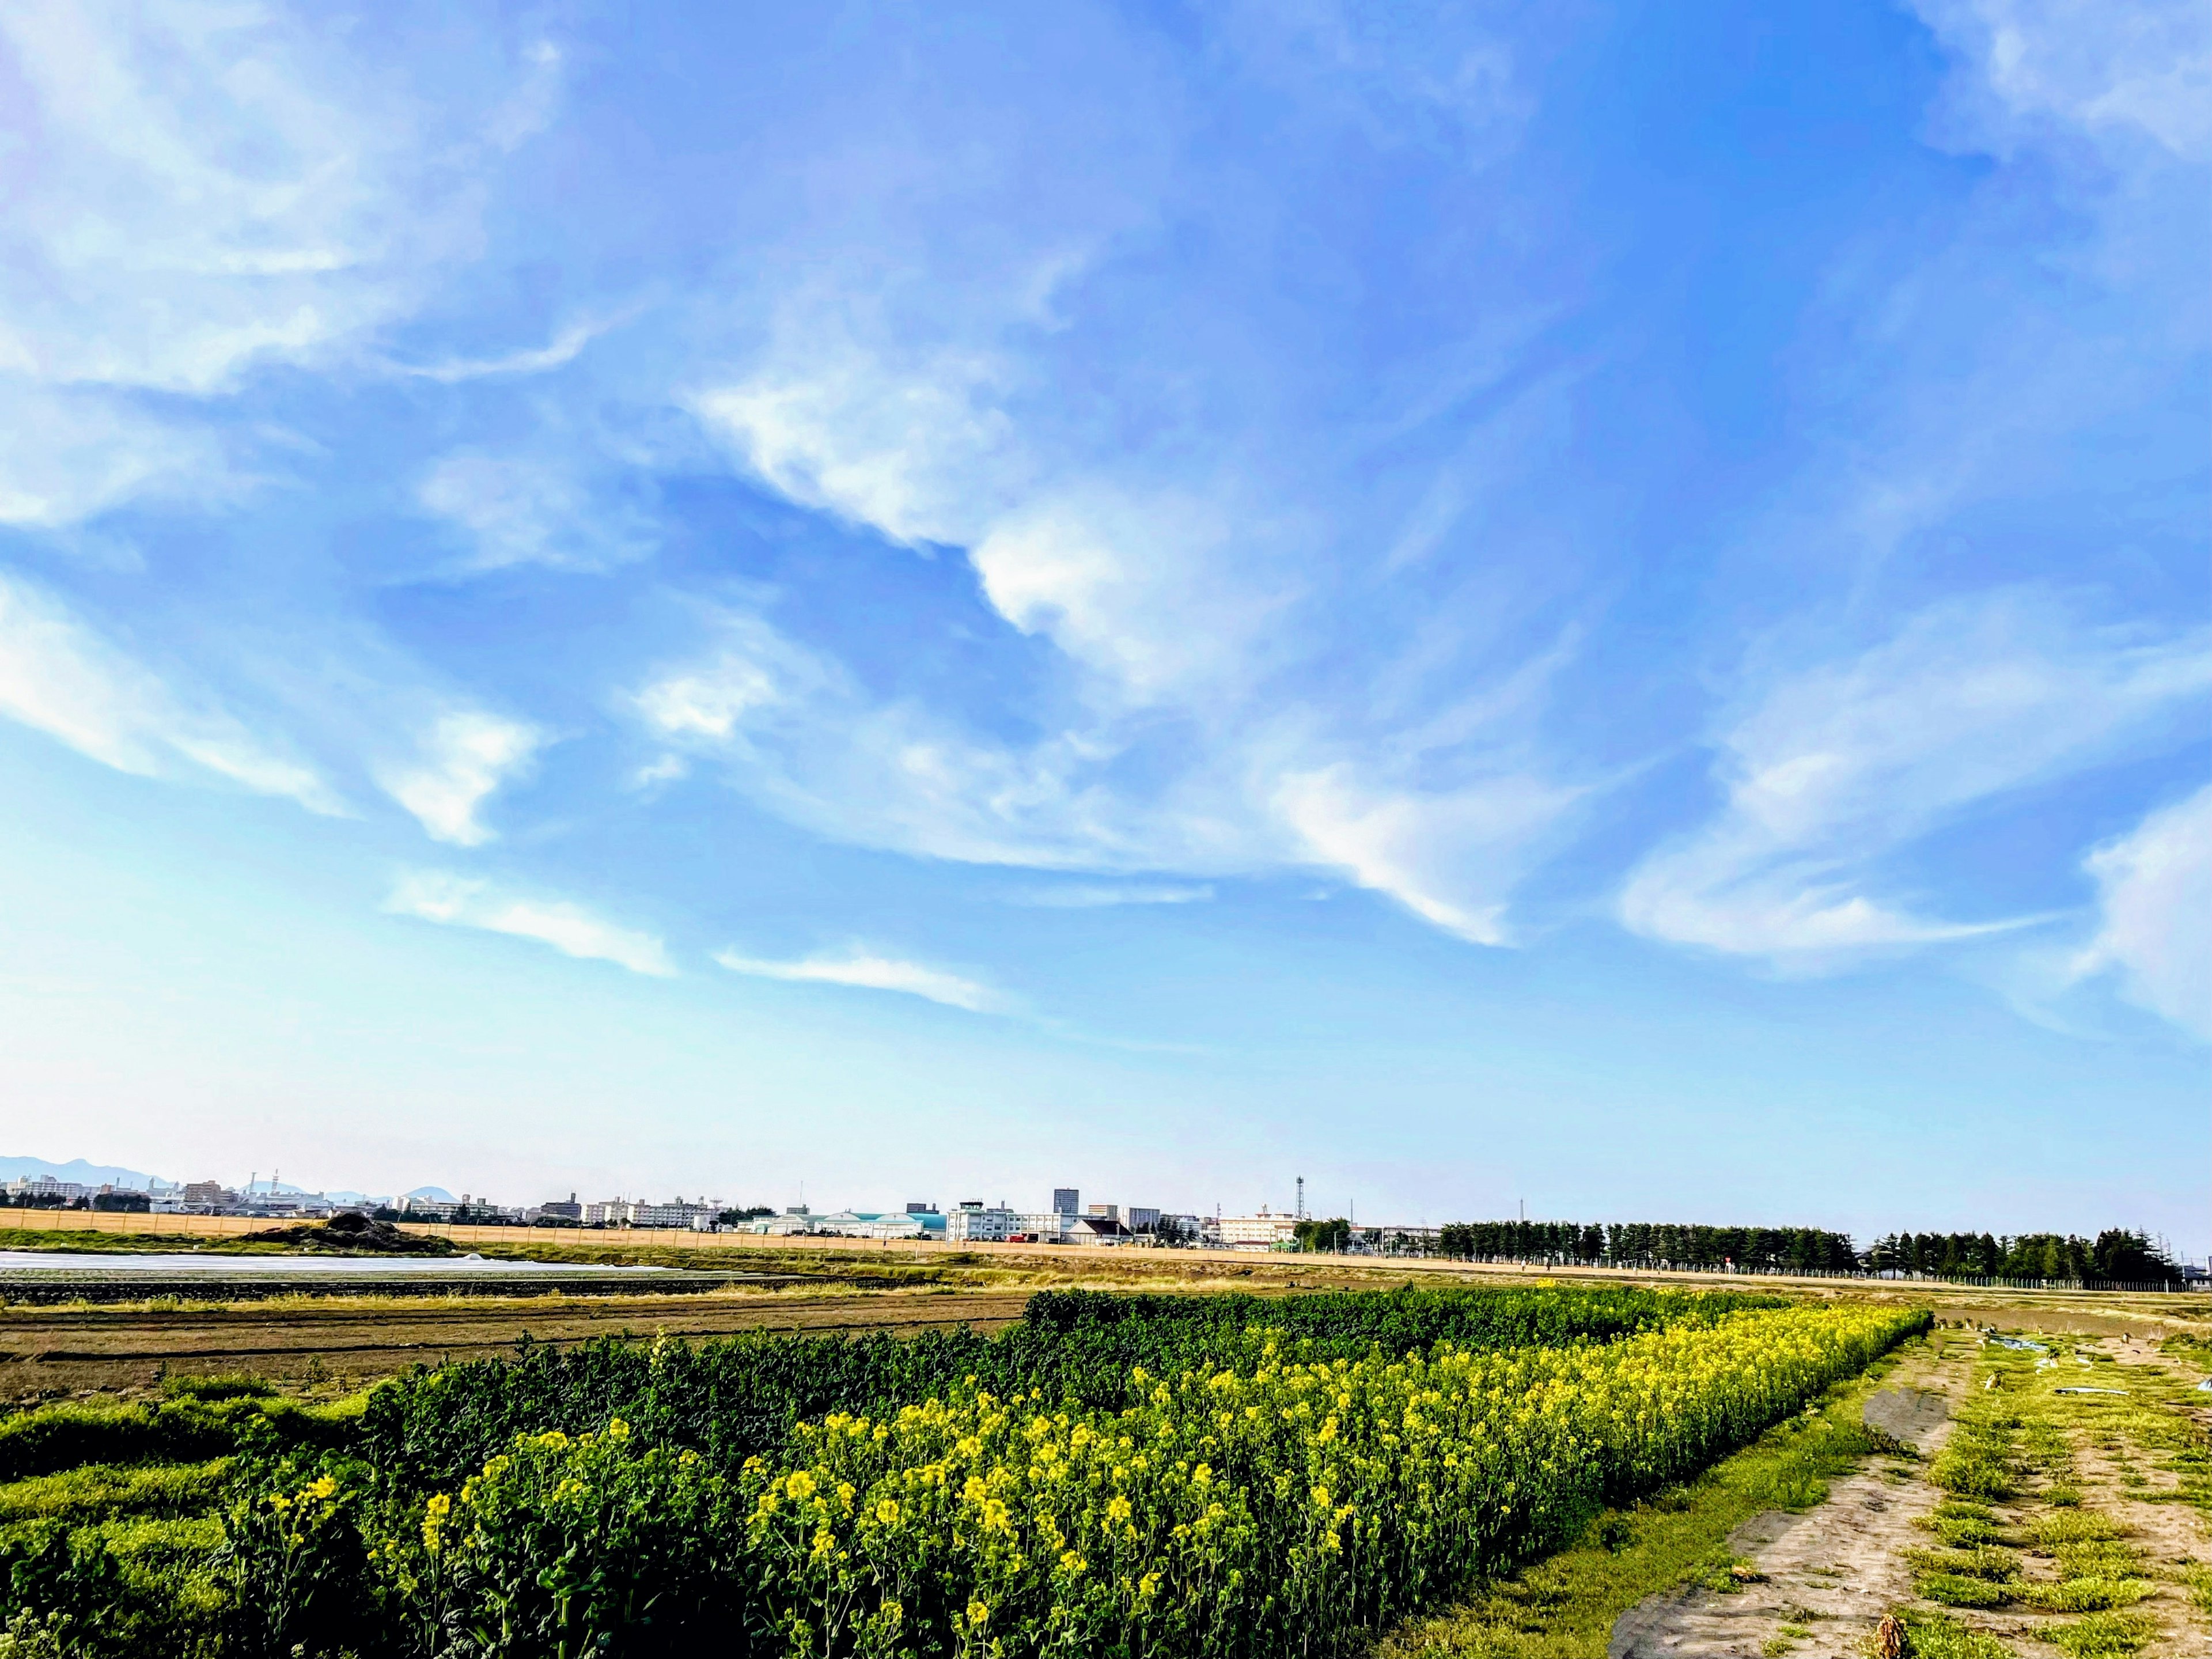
(2115, 1254)
(1639, 1243)
(123, 1201)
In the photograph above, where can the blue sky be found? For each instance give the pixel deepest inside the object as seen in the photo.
(1599, 605)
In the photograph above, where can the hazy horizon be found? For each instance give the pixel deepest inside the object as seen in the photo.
(1607, 607)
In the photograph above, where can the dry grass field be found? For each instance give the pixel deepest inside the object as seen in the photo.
(318, 1342)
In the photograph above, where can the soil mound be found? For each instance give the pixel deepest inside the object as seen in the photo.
(349, 1234)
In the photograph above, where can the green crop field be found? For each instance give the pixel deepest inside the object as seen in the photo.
(1111, 1475)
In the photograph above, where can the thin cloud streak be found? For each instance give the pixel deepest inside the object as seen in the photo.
(459, 902)
(865, 970)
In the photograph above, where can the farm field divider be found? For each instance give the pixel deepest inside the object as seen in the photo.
(1242, 1486)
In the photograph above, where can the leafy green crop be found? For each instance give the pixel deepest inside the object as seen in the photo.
(733, 1398)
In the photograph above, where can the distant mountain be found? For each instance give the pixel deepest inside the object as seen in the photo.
(433, 1195)
(338, 1196)
(76, 1169)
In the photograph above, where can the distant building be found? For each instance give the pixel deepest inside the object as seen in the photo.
(38, 1191)
(637, 1213)
(1111, 1211)
(921, 1209)
(1263, 1231)
(563, 1209)
(1066, 1200)
(975, 1223)
(1142, 1220)
(1095, 1229)
(209, 1194)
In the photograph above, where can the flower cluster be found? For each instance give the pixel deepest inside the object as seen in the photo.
(1292, 1506)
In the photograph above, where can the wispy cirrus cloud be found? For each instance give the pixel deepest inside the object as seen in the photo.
(460, 760)
(865, 969)
(1096, 896)
(60, 675)
(2155, 890)
(460, 902)
(1832, 767)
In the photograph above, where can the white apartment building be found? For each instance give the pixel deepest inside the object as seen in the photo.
(1263, 1231)
(977, 1223)
(994, 1224)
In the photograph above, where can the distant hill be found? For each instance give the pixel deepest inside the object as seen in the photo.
(76, 1169)
(432, 1194)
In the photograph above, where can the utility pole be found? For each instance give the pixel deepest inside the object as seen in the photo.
(1301, 1198)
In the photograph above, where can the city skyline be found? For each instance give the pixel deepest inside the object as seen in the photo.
(1607, 608)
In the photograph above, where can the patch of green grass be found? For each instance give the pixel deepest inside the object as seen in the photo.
(1962, 1533)
(2085, 1594)
(1979, 1461)
(99, 1491)
(2072, 1527)
(48, 1439)
(1986, 1562)
(1565, 1606)
(1963, 1509)
(2101, 1634)
(1932, 1635)
(2199, 1581)
(1956, 1590)
(235, 1385)
(2099, 1559)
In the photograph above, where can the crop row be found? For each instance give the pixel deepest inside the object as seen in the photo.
(735, 1398)
(1294, 1506)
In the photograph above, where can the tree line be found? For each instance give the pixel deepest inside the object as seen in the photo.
(2114, 1255)
(1648, 1243)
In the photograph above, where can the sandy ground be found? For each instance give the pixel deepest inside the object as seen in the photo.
(1834, 1569)
(1832, 1572)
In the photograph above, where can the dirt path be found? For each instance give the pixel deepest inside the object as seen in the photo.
(2121, 1442)
(45, 1351)
(1831, 1572)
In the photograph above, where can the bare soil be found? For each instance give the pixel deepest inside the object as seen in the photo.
(50, 1352)
(1834, 1569)
(1819, 1582)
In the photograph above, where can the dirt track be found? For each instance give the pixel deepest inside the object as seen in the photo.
(45, 1351)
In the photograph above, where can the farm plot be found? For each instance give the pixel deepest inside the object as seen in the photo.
(1110, 1475)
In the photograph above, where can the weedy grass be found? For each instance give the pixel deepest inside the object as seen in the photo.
(99, 1491)
(2101, 1635)
(1953, 1589)
(1932, 1635)
(2085, 1594)
(1567, 1607)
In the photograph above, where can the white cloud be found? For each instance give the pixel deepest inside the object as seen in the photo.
(197, 188)
(457, 901)
(461, 760)
(523, 511)
(2110, 69)
(72, 452)
(2156, 884)
(1451, 857)
(60, 677)
(216, 184)
(1096, 895)
(867, 971)
(910, 449)
(1835, 766)
(563, 348)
